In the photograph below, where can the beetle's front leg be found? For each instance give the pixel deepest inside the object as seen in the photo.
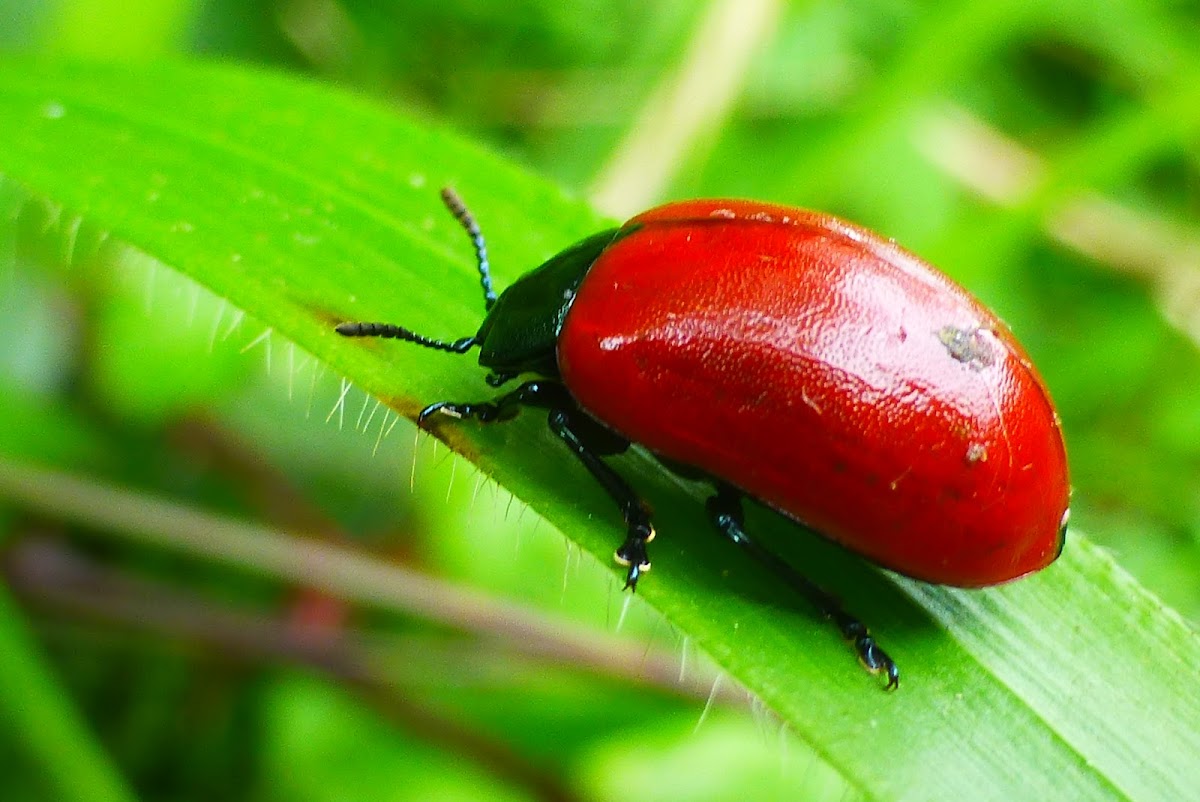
(725, 510)
(532, 393)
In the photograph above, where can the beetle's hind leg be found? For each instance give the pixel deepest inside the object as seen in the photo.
(725, 511)
(588, 440)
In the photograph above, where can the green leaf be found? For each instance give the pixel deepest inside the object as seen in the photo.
(303, 206)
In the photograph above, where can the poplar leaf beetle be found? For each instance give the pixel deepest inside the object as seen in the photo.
(789, 357)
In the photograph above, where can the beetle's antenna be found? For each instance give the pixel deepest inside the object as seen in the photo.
(467, 221)
(399, 333)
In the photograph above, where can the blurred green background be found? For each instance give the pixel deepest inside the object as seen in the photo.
(1045, 154)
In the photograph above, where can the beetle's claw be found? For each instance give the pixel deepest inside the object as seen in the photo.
(877, 661)
(633, 554)
(893, 677)
(635, 572)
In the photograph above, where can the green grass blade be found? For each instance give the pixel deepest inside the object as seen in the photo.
(43, 722)
(304, 206)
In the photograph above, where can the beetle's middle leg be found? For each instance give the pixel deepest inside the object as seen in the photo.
(588, 440)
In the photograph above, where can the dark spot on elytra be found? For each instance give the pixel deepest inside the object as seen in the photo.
(952, 493)
(968, 346)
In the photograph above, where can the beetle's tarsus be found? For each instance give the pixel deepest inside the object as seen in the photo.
(433, 409)
(634, 554)
(876, 661)
(870, 655)
(482, 412)
(532, 393)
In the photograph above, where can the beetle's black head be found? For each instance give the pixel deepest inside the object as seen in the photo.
(520, 332)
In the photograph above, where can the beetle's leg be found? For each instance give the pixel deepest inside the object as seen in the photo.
(725, 510)
(532, 393)
(587, 441)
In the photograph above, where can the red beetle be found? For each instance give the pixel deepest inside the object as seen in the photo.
(794, 358)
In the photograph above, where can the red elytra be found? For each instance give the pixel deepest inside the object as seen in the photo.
(830, 374)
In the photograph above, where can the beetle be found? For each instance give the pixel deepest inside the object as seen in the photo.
(790, 357)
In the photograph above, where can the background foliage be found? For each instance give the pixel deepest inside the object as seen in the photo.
(1044, 154)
